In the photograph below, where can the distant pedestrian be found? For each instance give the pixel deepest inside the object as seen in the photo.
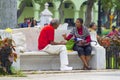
(33, 23)
(92, 27)
(113, 32)
(25, 24)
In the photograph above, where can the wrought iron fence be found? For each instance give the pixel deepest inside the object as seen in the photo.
(112, 57)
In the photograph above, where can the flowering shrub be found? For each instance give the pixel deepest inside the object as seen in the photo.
(116, 40)
(112, 46)
(105, 42)
(109, 41)
(7, 55)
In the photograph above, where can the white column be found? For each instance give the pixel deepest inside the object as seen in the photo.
(18, 3)
(95, 16)
(56, 13)
(56, 6)
(36, 11)
(95, 9)
(36, 14)
(76, 14)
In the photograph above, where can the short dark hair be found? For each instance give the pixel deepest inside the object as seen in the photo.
(45, 24)
(92, 24)
(80, 19)
(114, 27)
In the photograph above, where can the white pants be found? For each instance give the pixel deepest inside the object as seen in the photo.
(60, 50)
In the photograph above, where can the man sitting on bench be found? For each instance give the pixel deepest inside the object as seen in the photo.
(46, 43)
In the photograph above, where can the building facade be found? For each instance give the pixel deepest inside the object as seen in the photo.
(72, 9)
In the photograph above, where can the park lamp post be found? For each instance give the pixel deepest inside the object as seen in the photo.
(99, 17)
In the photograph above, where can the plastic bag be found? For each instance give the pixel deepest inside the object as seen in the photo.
(70, 44)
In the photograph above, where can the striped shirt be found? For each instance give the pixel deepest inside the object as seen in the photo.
(82, 33)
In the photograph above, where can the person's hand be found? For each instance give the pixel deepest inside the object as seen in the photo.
(82, 42)
(64, 35)
(63, 42)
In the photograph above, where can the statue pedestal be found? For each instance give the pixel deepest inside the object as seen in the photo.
(45, 16)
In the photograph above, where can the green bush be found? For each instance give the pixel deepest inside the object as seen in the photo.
(105, 31)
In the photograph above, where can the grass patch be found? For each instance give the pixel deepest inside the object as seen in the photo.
(14, 73)
(18, 74)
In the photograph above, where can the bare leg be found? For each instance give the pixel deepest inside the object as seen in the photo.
(83, 58)
(88, 59)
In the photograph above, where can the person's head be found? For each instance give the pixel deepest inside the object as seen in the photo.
(79, 22)
(93, 26)
(34, 22)
(113, 27)
(55, 23)
(45, 24)
(25, 20)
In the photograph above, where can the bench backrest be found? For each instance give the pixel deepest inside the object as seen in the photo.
(32, 35)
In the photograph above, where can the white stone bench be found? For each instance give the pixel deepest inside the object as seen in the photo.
(32, 59)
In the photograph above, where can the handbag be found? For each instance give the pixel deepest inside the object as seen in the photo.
(70, 44)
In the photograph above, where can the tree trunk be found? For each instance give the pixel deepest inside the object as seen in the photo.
(118, 18)
(61, 11)
(107, 24)
(8, 14)
(88, 12)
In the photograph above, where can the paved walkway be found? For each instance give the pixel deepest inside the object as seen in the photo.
(70, 75)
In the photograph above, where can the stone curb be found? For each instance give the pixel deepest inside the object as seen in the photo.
(73, 71)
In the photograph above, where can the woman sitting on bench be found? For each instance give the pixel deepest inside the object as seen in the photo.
(82, 42)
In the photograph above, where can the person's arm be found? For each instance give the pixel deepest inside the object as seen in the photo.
(57, 43)
(67, 37)
(109, 34)
(88, 39)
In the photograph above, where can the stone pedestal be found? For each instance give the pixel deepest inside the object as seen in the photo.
(45, 16)
(8, 13)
